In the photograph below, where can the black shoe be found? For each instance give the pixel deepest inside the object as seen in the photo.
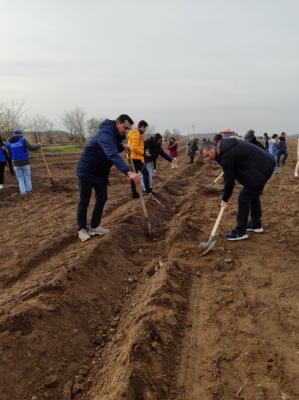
(154, 193)
(236, 235)
(135, 196)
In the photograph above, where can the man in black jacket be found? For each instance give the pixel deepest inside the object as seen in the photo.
(251, 167)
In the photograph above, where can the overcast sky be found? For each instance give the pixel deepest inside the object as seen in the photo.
(216, 63)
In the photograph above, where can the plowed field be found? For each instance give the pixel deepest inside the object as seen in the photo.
(125, 317)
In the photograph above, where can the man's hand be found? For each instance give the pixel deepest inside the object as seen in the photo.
(173, 161)
(224, 204)
(135, 177)
(148, 154)
(127, 149)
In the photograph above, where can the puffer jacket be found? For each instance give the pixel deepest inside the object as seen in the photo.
(248, 164)
(101, 152)
(136, 142)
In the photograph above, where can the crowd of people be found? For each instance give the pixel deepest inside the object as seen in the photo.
(248, 162)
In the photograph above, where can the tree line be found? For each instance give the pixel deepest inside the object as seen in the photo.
(78, 129)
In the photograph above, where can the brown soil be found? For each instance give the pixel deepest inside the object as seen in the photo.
(124, 317)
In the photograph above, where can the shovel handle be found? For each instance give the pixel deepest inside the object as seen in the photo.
(138, 187)
(217, 222)
(213, 183)
(49, 172)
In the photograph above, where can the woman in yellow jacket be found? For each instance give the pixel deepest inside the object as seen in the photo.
(136, 143)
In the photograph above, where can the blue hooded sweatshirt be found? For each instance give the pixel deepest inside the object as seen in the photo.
(101, 152)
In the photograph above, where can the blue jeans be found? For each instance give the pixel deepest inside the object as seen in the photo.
(24, 177)
(149, 167)
(275, 169)
(285, 156)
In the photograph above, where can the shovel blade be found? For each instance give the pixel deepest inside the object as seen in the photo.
(208, 248)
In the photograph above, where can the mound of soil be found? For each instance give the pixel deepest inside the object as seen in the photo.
(125, 316)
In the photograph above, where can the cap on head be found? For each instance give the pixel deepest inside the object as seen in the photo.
(18, 132)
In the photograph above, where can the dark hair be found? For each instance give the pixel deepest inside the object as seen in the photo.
(142, 124)
(124, 117)
(157, 136)
(250, 132)
(274, 136)
(172, 138)
(217, 137)
(266, 134)
(1, 141)
(282, 133)
(207, 146)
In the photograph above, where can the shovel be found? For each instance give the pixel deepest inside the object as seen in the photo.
(213, 183)
(49, 172)
(209, 244)
(138, 187)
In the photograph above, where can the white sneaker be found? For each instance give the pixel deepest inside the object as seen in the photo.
(83, 235)
(1, 186)
(295, 175)
(172, 166)
(98, 231)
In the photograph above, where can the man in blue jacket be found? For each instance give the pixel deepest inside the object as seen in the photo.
(252, 167)
(101, 152)
(17, 149)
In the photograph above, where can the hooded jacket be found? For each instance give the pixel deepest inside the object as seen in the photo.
(244, 162)
(101, 152)
(17, 149)
(155, 151)
(136, 142)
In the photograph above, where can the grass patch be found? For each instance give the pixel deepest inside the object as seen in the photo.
(59, 150)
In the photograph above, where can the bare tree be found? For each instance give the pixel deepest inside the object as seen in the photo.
(151, 129)
(167, 135)
(74, 122)
(50, 136)
(72, 137)
(176, 134)
(12, 115)
(37, 125)
(93, 125)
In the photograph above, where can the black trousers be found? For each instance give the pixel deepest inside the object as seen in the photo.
(139, 166)
(85, 189)
(2, 167)
(249, 202)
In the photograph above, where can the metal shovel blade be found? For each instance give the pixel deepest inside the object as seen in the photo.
(208, 248)
(209, 244)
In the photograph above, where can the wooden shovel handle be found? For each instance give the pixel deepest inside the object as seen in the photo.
(217, 222)
(49, 172)
(139, 189)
